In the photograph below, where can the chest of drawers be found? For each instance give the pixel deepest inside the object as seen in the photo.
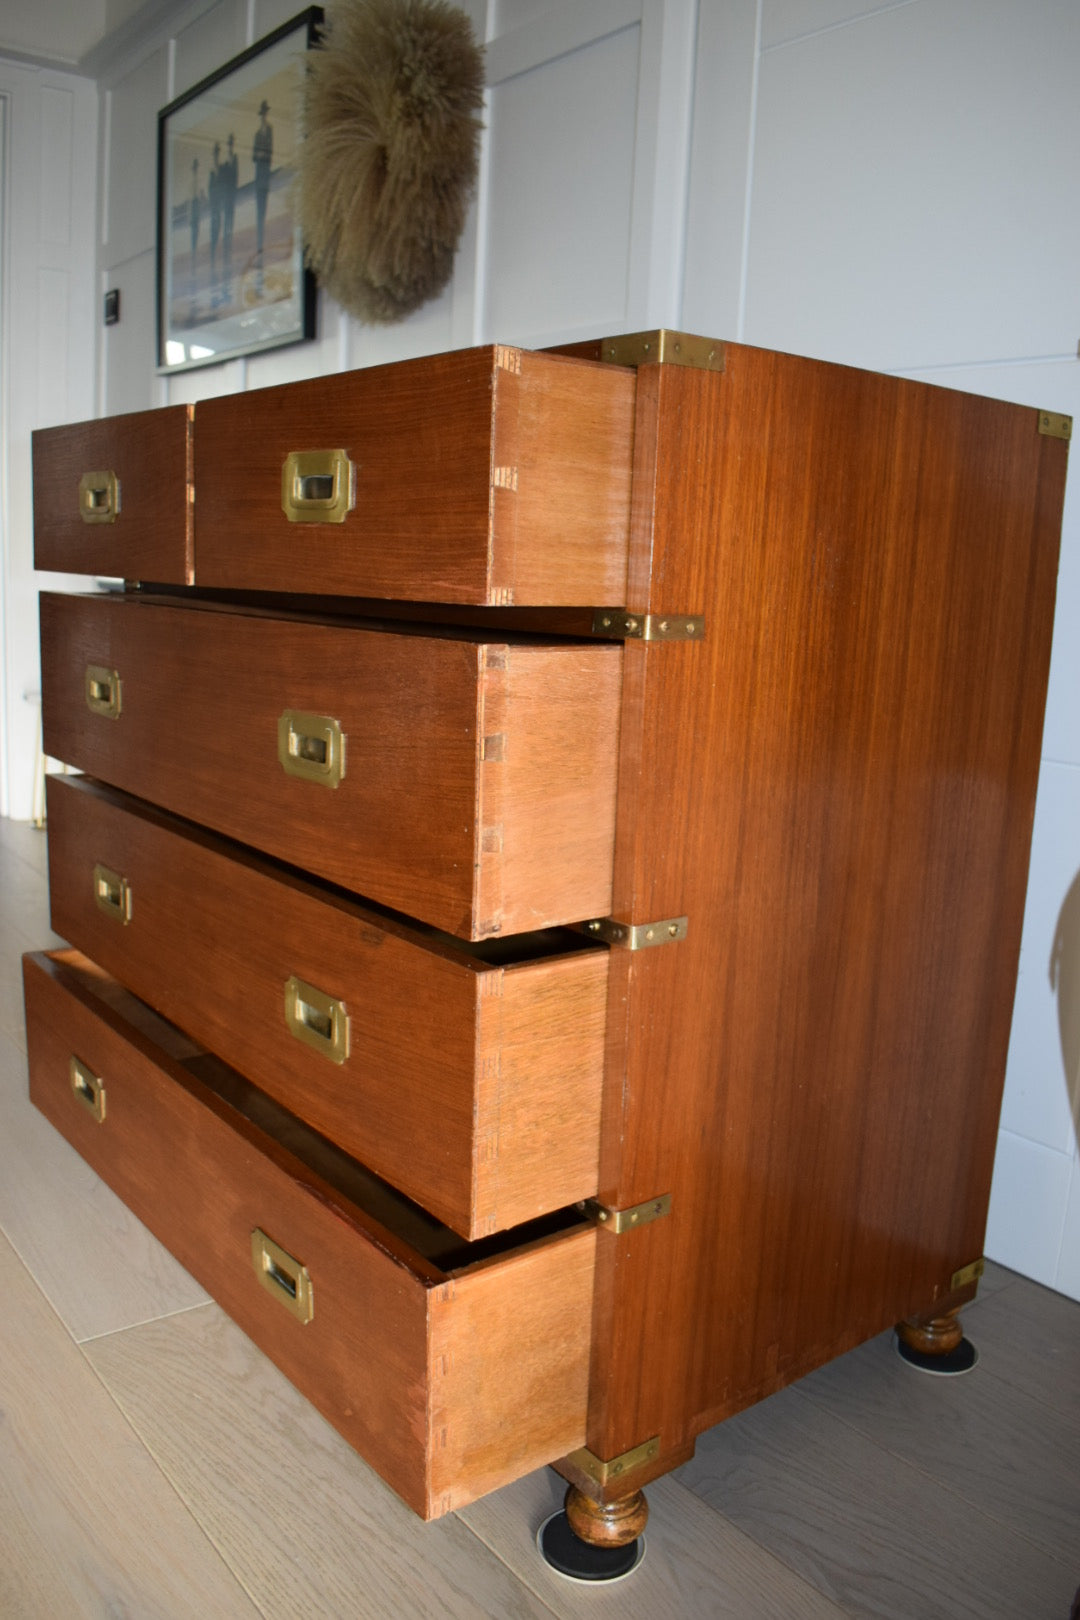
(565, 820)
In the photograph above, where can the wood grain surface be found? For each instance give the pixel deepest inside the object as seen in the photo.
(479, 791)
(487, 476)
(310, 1530)
(877, 1535)
(837, 787)
(472, 1084)
(383, 1356)
(153, 535)
(92, 1526)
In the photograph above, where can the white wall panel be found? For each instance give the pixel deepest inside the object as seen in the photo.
(1067, 1275)
(270, 14)
(48, 350)
(720, 167)
(129, 348)
(560, 188)
(914, 200)
(1043, 1080)
(785, 20)
(131, 159)
(208, 43)
(1029, 1199)
(57, 125)
(511, 14)
(52, 306)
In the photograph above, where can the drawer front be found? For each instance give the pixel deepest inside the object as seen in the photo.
(473, 1087)
(448, 1383)
(478, 789)
(489, 477)
(113, 497)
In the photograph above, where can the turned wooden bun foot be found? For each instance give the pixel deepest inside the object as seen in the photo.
(595, 1541)
(611, 1524)
(936, 1345)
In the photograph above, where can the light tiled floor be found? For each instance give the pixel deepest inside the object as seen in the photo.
(153, 1462)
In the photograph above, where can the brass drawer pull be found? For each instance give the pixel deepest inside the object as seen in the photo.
(112, 893)
(318, 486)
(99, 497)
(103, 691)
(87, 1088)
(317, 1019)
(282, 1276)
(311, 746)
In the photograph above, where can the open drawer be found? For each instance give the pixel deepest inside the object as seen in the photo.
(452, 1368)
(468, 1076)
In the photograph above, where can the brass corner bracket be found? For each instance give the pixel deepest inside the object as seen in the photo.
(648, 626)
(966, 1274)
(637, 936)
(1055, 426)
(604, 1473)
(663, 348)
(629, 1219)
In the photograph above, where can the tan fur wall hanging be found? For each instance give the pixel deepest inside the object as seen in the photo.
(390, 156)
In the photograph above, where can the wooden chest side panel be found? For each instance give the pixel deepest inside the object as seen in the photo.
(362, 1359)
(837, 786)
(152, 536)
(201, 697)
(475, 1090)
(484, 476)
(509, 1356)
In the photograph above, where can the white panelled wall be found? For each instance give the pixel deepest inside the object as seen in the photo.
(886, 183)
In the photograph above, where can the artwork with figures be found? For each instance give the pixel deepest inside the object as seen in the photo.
(231, 275)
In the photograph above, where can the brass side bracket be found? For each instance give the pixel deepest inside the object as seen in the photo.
(966, 1274)
(603, 1473)
(638, 936)
(1054, 425)
(629, 1219)
(663, 348)
(648, 626)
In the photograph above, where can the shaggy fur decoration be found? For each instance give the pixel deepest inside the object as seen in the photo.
(389, 158)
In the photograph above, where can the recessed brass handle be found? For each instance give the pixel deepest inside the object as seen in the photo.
(112, 893)
(99, 497)
(315, 1018)
(311, 746)
(87, 1088)
(282, 1275)
(103, 691)
(318, 486)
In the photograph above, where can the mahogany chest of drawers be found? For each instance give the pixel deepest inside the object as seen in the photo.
(546, 884)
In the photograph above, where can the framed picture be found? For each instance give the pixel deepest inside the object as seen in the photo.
(230, 263)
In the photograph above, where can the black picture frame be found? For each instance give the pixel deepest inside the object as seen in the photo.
(231, 278)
